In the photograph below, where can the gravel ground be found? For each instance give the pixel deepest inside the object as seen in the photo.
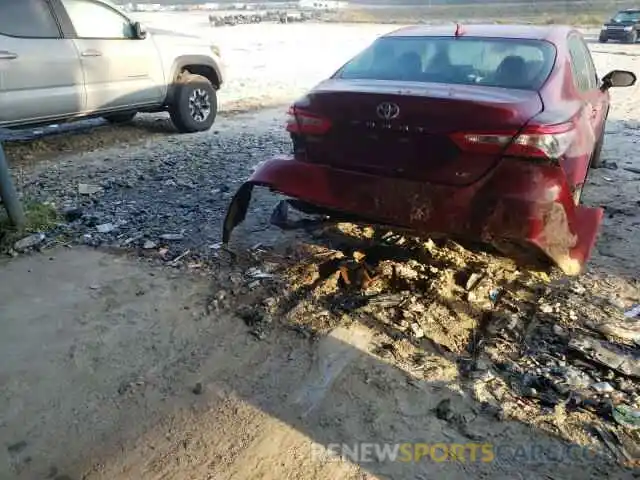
(169, 185)
(520, 347)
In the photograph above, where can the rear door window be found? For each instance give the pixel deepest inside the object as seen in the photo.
(97, 20)
(506, 63)
(27, 19)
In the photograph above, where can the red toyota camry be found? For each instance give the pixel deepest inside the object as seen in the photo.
(484, 132)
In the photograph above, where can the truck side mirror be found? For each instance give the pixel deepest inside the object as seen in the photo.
(139, 31)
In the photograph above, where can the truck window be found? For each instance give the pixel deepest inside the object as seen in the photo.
(96, 20)
(27, 19)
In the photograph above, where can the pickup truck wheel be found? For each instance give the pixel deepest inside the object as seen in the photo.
(124, 117)
(194, 105)
(633, 37)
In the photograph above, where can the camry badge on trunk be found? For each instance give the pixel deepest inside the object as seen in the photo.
(388, 111)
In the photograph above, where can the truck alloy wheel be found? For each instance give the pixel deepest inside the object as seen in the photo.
(194, 104)
(199, 105)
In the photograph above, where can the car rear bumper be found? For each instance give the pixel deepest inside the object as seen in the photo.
(517, 202)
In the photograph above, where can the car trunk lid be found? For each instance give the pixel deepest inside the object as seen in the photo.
(405, 128)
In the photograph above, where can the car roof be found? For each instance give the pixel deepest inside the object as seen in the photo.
(524, 32)
(629, 10)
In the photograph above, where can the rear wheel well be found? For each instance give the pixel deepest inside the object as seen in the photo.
(206, 71)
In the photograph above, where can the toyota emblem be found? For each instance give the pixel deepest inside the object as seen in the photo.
(388, 111)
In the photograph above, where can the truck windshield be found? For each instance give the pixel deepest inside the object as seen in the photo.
(494, 62)
(624, 17)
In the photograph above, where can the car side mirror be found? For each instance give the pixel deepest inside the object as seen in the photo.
(139, 31)
(618, 78)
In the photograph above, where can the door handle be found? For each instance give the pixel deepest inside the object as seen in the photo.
(4, 55)
(91, 53)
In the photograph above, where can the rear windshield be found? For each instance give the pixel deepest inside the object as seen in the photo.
(506, 63)
(627, 17)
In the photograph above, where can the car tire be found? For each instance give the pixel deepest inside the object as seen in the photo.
(124, 117)
(194, 105)
(633, 37)
(595, 162)
(596, 156)
(603, 39)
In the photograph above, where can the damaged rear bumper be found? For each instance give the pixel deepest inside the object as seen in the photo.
(517, 202)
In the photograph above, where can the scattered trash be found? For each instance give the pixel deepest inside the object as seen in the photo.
(130, 240)
(216, 246)
(417, 330)
(632, 170)
(610, 165)
(473, 280)
(494, 295)
(105, 228)
(257, 274)
(626, 330)
(88, 189)
(633, 312)
(29, 242)
(626, 416)
(149, 244)
(172, 237)
(602, 387)
(607, 354)
(280, 218)
(176, 260)
(546, 308)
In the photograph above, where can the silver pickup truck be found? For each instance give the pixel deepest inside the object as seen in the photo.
(62, 60)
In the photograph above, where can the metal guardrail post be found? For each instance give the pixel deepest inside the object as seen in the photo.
(8, 193)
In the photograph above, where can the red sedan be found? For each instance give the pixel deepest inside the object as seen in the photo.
(484, 132)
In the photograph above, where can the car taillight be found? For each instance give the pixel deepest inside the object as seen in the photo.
(303, 122)
(534, 141)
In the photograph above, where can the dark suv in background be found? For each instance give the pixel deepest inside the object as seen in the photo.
(623, 27)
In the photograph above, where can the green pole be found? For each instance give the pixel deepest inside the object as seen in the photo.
(8, 193)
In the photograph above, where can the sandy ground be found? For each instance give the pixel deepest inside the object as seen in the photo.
(115, 370)
(174, 362)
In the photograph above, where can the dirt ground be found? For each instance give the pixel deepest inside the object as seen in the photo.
(145, 350)
(116, 369)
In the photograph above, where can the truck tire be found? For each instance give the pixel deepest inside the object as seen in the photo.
(633, 37)
(194, 105)
(123, 117)
(603, 38)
